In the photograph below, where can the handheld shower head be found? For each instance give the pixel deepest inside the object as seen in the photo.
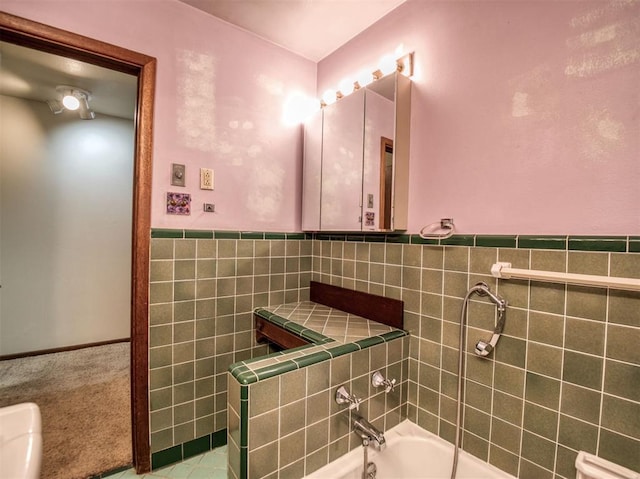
(484, 348)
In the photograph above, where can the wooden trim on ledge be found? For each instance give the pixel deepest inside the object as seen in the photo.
(370, 306)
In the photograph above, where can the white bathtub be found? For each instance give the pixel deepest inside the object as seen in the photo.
(411, 453)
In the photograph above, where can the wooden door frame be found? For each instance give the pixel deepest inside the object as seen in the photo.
(36, 35)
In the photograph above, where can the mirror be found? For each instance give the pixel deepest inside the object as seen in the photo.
(355, 174)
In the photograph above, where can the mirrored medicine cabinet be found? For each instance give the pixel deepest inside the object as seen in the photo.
(356, 160)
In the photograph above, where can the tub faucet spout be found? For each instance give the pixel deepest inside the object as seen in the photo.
(368, 431)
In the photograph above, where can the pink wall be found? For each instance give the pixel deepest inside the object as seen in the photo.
(219, 98)
(525, 115)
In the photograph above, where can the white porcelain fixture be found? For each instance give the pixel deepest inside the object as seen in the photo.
(589, 466)
(411, 453)
(20, 441)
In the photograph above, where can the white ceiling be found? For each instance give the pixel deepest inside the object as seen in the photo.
(34, 75)
(310, 28)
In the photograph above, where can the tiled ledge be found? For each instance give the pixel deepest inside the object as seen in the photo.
(322, 348)
(617, 244)
(321, 324)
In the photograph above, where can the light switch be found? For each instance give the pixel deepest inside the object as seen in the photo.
(177, 174)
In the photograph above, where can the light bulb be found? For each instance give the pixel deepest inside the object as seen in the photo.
(364, 78)
(387, 64)
(298, 108)
(346, 87)
(329, 97)
(70, 102)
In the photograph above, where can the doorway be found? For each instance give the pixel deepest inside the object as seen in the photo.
(38, 36)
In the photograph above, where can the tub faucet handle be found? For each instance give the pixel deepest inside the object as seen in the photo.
(377, 380)
(343, 397)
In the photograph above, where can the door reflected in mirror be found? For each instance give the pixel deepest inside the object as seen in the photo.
(386, 183)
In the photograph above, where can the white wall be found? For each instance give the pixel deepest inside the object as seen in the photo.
(65, 240)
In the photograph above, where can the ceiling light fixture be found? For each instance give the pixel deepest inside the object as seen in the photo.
(73, 99)
(70, 102)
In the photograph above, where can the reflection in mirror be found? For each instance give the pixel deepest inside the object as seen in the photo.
(386, 184)
(341, 189)
(379, 124)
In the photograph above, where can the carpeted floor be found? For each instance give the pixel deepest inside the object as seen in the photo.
(85, 403)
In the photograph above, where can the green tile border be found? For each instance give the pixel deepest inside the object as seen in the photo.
(296, 236)
(542, 242)
(311, 359)
(417, 239)
(245, 377)
(403, 239)
(244, 431)
(166, 457)
(244, 462)
(188, 449)
(459, 240)
(587, 243)
(166, 233)
(497, 241)
(368, 342)
(276, 369)
(244, 393)
(198, 234)
(391, 335)
(226, 234)
(275, 236)
(219, 438)
(244, 421)
(618, 244)
(343, 349)
(313, 336)
(251, 235)
(196, 446)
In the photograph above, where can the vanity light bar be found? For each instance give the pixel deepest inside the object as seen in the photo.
(404, 65)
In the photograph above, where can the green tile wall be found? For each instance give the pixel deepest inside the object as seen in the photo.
(202, 292)
(289, 425)
(565, 374)
(568, 359)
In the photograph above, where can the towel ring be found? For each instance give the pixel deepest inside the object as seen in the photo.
(445, 225)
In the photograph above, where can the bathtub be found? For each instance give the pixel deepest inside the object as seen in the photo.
(411, 453)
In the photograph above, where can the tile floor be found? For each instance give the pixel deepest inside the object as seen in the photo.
(210, 465)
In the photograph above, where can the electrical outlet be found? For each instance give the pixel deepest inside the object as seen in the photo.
(206, 179)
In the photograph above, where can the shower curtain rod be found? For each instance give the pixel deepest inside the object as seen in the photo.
(505, 271)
